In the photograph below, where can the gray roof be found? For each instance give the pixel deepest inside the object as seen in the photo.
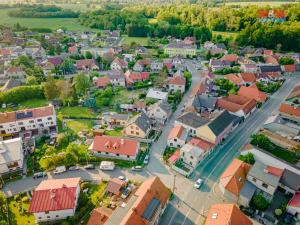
(114, 74)
(248, 190)
(220, 62)
(11, 83)
(181, 45)
(192, 119)
(270, 68)
(207, 101)
(290, 179)
(119, 116)
(258, 171)
(142, 121)
(151, 209)
(220, 123)
(165, 106)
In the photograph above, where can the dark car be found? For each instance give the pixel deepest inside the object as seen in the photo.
(89, 167)
(39, 175)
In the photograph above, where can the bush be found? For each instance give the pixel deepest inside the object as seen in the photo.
(248, 158)
(260, 202)
(278, 212)
(25, 199)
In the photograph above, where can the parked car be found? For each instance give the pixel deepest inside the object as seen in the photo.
(73, 168)
(39, 175)
(198, 183)
(137, 168)
(60, 169)
(107, 165)
(89, 167)
(126, 192)
(146, 159)
(123, 178)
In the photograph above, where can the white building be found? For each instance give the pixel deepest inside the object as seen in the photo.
(11, 155)
(29, 122)
(177, 136)
(55, 199)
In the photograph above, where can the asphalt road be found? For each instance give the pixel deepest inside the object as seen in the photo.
(194, 204)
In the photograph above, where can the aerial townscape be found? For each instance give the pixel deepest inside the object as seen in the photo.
(142, 112)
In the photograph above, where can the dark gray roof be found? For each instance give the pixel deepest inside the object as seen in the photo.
(248, 190)
(113, 74)
(270, 68)
(165, 106)
(11, 83)
(220, 62)
(220, 123)
(151, 209)
(119, 116)
(207, 101)
(290, 179)
(192, 119)
(143, 122)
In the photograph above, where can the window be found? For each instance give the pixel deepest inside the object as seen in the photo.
(57, 216)
(49, 118)
(1, 127)
(20, 123)
(47, 212)
(106, 153)
(118, 154)
(128, 156)
(39, 120)
(137, 133)
(175, 139)
(264, 185)
(192, 157)
(183, 154)
(31, 121)
(132, 132)
(48, 217)
(253, 179)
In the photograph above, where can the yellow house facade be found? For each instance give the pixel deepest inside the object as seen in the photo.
(205, 133)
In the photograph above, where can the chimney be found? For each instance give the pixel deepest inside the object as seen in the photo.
(122, 141)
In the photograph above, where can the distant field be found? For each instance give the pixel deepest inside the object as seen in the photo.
(143, 41)
(260, 3)
(79, 6)
(52, 23)
(226, 34)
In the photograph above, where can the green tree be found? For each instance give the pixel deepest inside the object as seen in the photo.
(286, 61)
(260, 202)
(82, 83)
(3, 208)
(261, 141)
(248, 158)
(88, 55)
(31, 80)
(50, 88)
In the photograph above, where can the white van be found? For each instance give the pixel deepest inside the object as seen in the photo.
(107, 165)
(60, 169)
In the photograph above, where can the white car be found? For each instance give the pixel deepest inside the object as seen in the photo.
(123, 178)
(198, 183)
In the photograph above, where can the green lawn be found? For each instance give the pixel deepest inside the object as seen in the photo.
(32, 103)
(52, 23)
(143, 41)
(77, 111)
(18, 218)
(125, 95)
(116, 132)
(79, 125)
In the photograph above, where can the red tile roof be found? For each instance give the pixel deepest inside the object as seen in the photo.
(102, 81)
(114, 186)
(84, 63)
(99, 216)
(206, 146)
(295, 200)
(275, 171)
(234, 103)
(115, 145)
(289, 109)
(176, 132)
(249, 77)
(234, 177)
(55, 195)
(268, 52)
(253, 93)
(56, 61)
(151, 188)
(132, 77)
(72, 49)
(290, 68)
(177, 80)
(122, 63)
(230, 57)
(234, 78)
(226, 214)
(270, 60)
(14, 69)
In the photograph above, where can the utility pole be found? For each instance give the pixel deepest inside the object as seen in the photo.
(174, 183)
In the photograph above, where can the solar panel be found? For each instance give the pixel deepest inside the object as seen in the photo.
(151, 209)
(24, 115)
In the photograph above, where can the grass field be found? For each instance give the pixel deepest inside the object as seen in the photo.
(260, 3)
(226, 34)
(143, 41)
(79, 125)
(77, 111)
(52, 23)
(16, 218)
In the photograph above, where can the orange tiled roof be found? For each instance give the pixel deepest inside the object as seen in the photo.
(102, 81)
(151, 188)
(275, 171)
(114, 186)
(290, 68)
(248, 77)
(234, 177)
(226, 214)
(99, 216)
(230, 57)
(270, 60)
(253, 93)
(234, 78)
(206, 146)
(177, 80)
(290, 110)
(176, 132)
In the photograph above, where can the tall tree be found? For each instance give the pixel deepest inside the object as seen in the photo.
(82, 83)
(50, 88)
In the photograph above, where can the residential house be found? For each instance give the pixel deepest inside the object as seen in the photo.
(113, 120)
(55, 199)
(233, 58)
(269, 68)
(156, 66)
(293, 205)
(11, 83)
(138, 126)
(226, 214)
(177, 61)
(177, 83)
(265, 178)
(191, 122)
(115, 186)
(133, 77)
(16, 73)
(194, 151)
(217, 129)
(249, 68)
(160, 111)
(289, 182)
(116, 77)
(218, 64)
(233, 179)
(99, 216)
(29, 122)
(140, 65)
(289, 69)
(73, 50)
(180, 49)
(157, 94)
(189, 40)
(290, 108)
(119, 64)
(252, 92)
(145, 206)
(177, 136)
(202, 104)
(101, 82)
(140, 50)
(11, 155)
(235, 78)
(248, 78)
(115, 147)
(237, 105)
(86, 64)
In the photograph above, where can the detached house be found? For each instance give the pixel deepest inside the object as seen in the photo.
(140, 65)
(115, 147)
(177, 83)
(55, 199)
(180, 49)
(14, 72)
(249, 68)
(160, 111)
(86, 64)
(138, 126)
(253, 92)
(118, 64)
(218, 64)
(191, 121)
(133, 77)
